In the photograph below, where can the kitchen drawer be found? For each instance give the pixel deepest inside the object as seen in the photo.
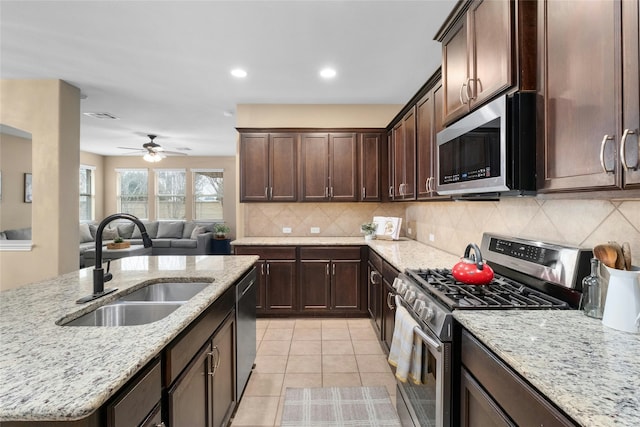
(268, 252)
(180, 352)
(375, 259)
(389, 272)
(135, 403)
(521, 402)
(330, 253)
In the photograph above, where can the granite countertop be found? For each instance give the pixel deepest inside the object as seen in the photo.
(402, 254)
(588, 370)
(62, 373)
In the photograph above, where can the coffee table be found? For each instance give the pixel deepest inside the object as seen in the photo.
(111, 254)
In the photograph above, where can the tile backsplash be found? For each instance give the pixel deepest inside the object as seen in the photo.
(450, 226)
(333, 219)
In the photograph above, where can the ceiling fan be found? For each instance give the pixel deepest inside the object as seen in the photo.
(153, 152)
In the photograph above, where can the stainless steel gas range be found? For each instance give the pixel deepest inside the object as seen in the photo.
(529, 275)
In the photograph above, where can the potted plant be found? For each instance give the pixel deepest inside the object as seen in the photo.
(369, 230)
(220, 230)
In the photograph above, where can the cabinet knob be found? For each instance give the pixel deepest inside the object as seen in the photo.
(623, 149)
(603, 144)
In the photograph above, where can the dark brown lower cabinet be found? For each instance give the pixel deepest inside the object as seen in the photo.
(389, 273)
(477, 407)
(492, 394)
(374, 290)
(203, 395)
(331, 279)
(277, 277)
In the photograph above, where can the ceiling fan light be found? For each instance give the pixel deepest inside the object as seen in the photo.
(152, 157)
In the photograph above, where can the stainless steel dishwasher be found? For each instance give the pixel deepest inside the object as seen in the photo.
(245, 329)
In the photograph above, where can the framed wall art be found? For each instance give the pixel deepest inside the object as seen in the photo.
(27, 188)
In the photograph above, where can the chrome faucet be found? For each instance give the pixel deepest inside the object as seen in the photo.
(99, 276)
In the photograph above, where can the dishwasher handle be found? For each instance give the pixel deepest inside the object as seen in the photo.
(249, 286)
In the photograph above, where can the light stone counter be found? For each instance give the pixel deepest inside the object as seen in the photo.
(588, 370)
(402, 254)
(52, 372)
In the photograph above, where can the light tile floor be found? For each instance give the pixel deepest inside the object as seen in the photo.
(310, 353)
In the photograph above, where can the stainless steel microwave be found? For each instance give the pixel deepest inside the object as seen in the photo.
(491, 151)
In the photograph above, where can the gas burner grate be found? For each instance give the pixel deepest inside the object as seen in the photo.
(501, 293)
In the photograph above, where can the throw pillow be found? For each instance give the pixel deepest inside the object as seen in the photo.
(152, 230)
(196, 231)
(188, 229)
(126, 230)
(85, 233)
(109, 234)
(170, 230)
(3, 236)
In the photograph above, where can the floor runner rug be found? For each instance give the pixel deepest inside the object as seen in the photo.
(339, 407)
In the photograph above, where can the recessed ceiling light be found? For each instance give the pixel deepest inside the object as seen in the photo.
(327, 73)
(238, 72)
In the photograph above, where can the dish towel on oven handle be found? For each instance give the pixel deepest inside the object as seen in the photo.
(406, 348)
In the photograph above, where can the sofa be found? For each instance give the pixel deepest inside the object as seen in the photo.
(16, 234)
(168, 237)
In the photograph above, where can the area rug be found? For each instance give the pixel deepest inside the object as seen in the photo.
(339, 406)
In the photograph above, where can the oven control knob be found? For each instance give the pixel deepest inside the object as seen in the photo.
(418, 306)
(410, 296)
(397, 282)
(427, 314)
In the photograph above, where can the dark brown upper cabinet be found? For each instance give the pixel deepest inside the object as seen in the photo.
(268, 167)
(588, 96)
(370, 166)
(483, 43)
(402, 154)
(328, 167)
(428, 124)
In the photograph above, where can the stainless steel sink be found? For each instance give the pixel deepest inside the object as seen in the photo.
(173, 291)
(125, 314)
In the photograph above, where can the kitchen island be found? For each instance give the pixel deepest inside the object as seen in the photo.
(50, 372)
(589, 371)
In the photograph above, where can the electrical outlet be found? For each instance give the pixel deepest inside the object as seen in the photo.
(286, 230)
(409, 231)
(432, 237)
(315, 230)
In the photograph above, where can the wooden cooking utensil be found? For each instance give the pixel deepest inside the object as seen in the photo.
(626, 253)
(607, 254)
(620, 263)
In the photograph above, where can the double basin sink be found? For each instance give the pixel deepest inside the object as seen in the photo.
(145, 305)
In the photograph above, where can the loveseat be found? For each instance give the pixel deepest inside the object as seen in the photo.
(16, 234)
(169, 237)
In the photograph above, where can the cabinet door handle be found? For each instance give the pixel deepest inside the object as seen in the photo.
(162, 424)
(389, 303)
(270, 193)
(470, 93)
(603, 144)
(326, 191)
(623, 158)
(215, 360)
(268, 269)
(362, 194)
(373, 277)
(262, 269)
(462, 87)
(327, 269)
(391, 191)
(331, 192)
(266, 192)
(333, 269)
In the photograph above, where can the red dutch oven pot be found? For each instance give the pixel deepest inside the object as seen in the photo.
(471, 270)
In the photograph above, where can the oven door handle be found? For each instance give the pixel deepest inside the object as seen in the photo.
(427, 339)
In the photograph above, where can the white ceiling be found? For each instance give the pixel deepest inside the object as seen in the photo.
(163, 67)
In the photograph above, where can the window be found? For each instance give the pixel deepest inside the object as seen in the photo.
(170, 193)
(208, 191)
(132, 192)
(87, 193)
